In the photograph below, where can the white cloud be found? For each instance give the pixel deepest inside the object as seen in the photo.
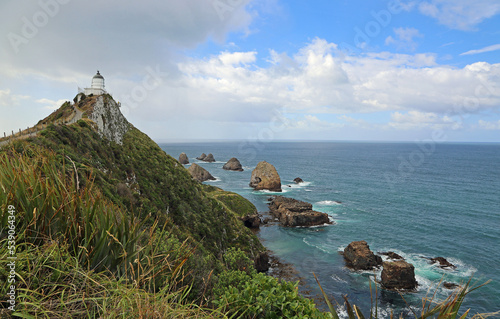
(360, 123)
(405, 38)
(488, 125)
(490, 48)
(315, 80)
(124, 34)
(312, 123)
(460, 14)
(419, 120)
(51, 104)
(236, 58)
(7, 99)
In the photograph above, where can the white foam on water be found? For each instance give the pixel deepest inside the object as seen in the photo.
(217, 179)
(298, 185)
(315, 226)
(424, 284)
(338, 279)
(266, 191)
(328, 203)
(326, 250)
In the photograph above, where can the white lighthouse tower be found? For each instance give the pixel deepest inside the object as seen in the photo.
(97, 86)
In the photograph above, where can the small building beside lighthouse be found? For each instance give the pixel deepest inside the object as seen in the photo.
(97, 86)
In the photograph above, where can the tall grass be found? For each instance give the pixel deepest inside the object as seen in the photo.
(81, 256)
(53, 284)
(52, 207)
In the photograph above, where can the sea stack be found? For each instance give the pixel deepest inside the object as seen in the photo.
(292, 212)
(209, 158)
(233, 165)
(398, 275)
(199, 173)
(359, 256)
(201, 157)
(183, 159)
(265, 176)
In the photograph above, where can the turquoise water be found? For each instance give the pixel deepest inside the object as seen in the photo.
(417, 200)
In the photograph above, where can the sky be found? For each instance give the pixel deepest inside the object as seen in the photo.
(397, 70)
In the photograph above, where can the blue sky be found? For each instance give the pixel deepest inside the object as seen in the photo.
(241, 69)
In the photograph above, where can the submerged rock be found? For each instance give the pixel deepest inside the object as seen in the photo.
(398, 275)
(392, 255)
(443, 263)
(291, 212)
(183, 159)
(233, 165)
(359, 256)
(450, 285)
(199, 173)
(298, 180)
(265, 176)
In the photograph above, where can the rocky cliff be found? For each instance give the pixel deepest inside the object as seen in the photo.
(110, 121)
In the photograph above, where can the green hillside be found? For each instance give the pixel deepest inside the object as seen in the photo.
(108, 230)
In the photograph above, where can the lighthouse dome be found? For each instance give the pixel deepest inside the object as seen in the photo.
(98, 81)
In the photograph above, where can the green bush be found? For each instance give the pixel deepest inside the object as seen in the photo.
(266, 297)
(243, 293)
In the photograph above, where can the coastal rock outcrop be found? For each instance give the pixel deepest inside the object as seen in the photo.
(298, 180)
(450, 285)
(359, 256)
(201, 157)
(110, 121)
(251, 221)
(209, 158)
(392, 255)
(398, 275)
(265, 176)
(291, 212)
(443, 263)
(183, 159)
(233, 165)
(199, 173)
(261, 263)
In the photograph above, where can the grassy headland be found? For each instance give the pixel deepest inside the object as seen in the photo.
(108, 230)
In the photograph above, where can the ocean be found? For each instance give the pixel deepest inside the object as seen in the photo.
(419, 200)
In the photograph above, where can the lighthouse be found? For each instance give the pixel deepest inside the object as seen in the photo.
(97, 86)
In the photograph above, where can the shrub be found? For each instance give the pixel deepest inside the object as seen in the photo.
(266, 297)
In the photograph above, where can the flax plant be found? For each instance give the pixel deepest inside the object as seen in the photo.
(51, 207)
(447, 309)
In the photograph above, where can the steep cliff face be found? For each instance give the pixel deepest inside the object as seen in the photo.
(110, 121)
